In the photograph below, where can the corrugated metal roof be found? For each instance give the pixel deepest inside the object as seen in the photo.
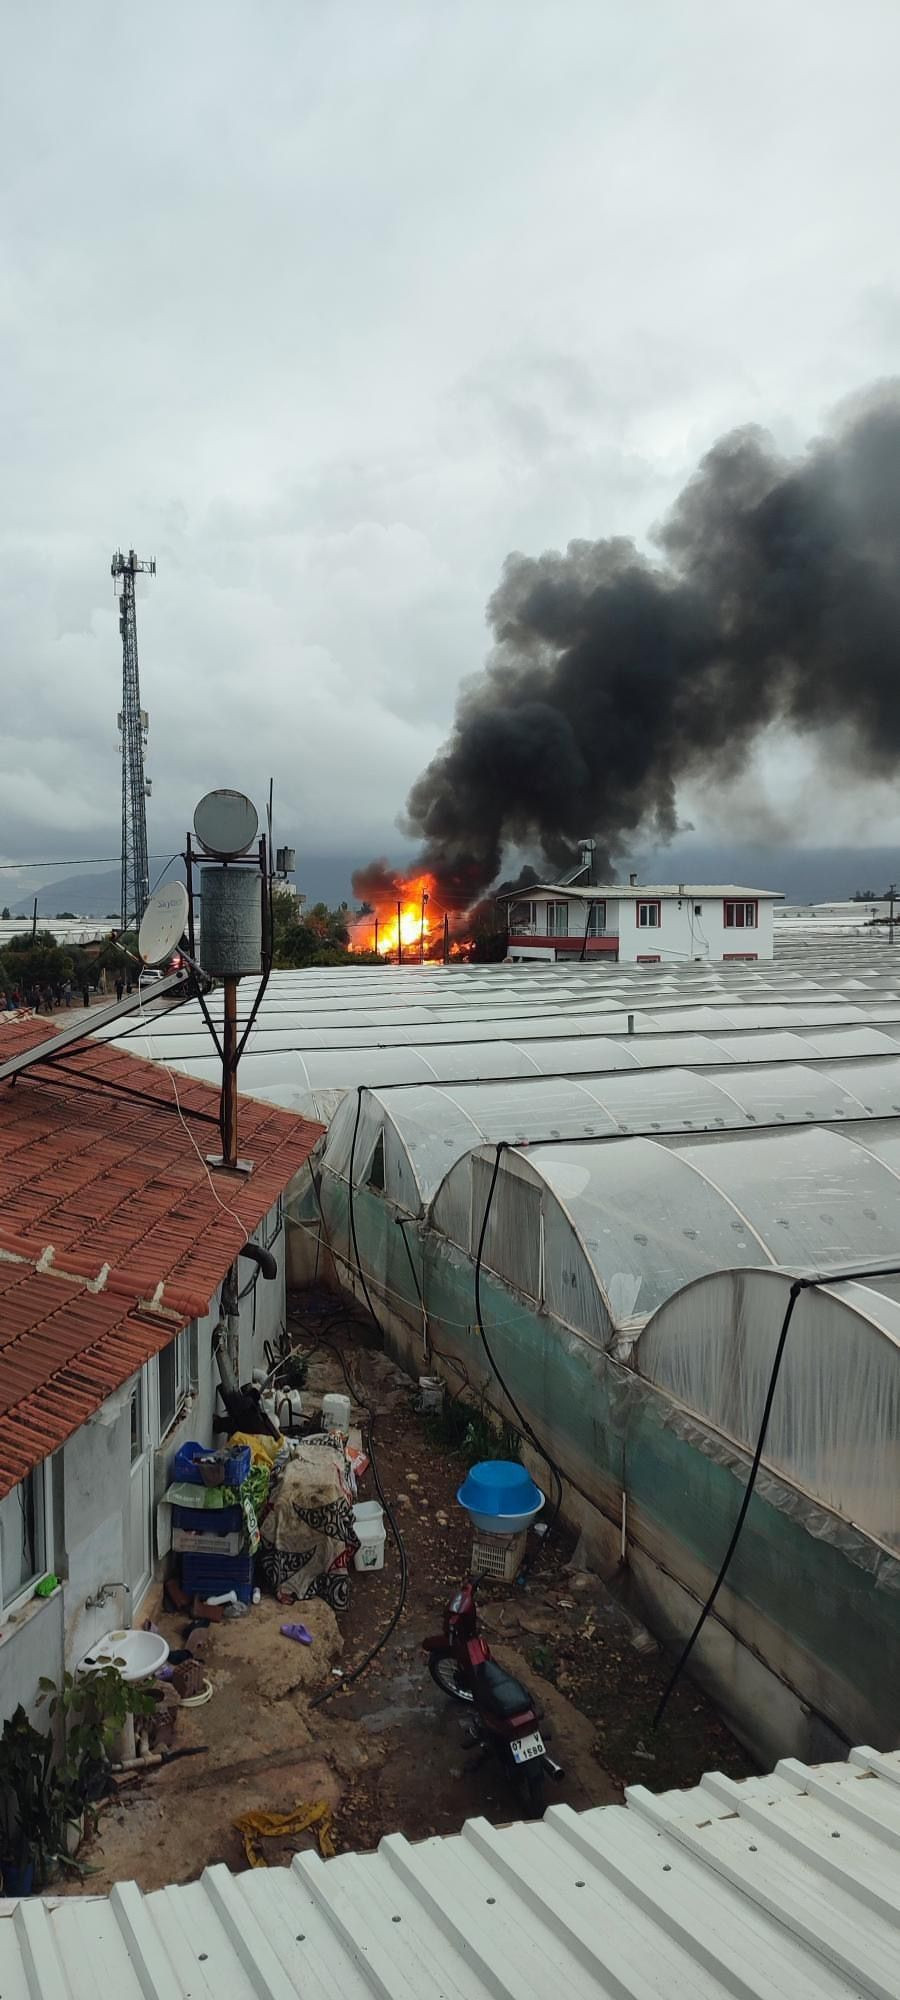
(777, 1888)
(112, 1234)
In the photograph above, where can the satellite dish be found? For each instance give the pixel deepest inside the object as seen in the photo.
(226, 824)
(162, 923)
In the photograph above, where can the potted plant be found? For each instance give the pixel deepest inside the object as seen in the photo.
(95, 1708)
(27, 1818)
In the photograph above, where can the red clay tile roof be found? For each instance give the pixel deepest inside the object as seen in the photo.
(111, 1236)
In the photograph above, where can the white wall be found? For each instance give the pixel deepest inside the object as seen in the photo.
(683, 933)
(680, 935)
(92, 1473)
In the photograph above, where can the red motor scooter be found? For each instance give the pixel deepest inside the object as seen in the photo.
(505, 1716)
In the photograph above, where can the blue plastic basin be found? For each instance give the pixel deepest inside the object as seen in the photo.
(500, 1492)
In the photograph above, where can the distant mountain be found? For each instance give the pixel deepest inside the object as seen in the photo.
(84, 894)
(805, 875)
(322, 877)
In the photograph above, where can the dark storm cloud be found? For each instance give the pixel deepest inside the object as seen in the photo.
(615, 677)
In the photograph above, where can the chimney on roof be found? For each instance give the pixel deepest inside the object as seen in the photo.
(632, 881)
(588, 850)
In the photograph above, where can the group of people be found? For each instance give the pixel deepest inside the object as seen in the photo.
(46, 999)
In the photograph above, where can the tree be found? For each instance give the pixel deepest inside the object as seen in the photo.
(4, 914)
(317, 936)
(28, 962)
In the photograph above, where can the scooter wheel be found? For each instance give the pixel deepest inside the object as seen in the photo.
(445, 1672)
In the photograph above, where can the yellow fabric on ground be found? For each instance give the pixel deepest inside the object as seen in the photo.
(257, 1826)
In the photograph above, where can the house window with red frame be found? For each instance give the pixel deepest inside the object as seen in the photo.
(649, 915)
(741, 916)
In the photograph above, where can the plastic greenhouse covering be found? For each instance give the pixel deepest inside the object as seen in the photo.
(323, 1031)
(834, 1428)
(426, 1128)
(650, 1215)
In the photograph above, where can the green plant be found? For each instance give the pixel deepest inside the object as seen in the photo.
(459, 1427)
(27, 1822)
(94, 1708)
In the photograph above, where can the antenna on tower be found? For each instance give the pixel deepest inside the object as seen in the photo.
(133, 724)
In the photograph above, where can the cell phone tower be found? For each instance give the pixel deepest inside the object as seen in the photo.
(133, 722)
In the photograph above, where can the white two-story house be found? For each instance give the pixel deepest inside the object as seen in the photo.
(641, 923)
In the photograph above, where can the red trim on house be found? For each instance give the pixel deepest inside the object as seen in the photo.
(745, 957)
(649, 958)
(608, 946)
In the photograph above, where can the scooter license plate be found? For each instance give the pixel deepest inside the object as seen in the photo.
(526, 1747)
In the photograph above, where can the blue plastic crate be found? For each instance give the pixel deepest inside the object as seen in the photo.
(237, 1465)
(209, 1576)
(208, 1520)
(184, 1467)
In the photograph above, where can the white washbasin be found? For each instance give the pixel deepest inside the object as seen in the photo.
(140, 1653)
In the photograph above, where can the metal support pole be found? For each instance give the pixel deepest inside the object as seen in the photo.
(399, 938)
(189, 872)
(422, 928)
(229, 1073)
(446, 940)
(376, 937)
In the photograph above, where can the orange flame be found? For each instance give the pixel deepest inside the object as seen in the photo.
(421, 924)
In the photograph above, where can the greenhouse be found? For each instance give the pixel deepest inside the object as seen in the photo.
(633, 1282)
(322, 1032)
(590, 1190)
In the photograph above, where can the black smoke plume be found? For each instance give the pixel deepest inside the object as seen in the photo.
(613, 677)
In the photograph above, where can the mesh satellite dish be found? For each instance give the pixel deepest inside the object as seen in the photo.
(162, 923)
(226, 824)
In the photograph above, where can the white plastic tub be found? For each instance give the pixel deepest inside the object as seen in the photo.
(368, 1520)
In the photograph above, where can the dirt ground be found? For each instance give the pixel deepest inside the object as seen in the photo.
(390, 1753)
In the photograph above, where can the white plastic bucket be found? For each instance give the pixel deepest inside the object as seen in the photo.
(336, 1413)
(368, 1520)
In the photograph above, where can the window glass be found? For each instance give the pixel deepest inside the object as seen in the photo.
(22, 1547)
(173, 1378)
(137, 1421)
(648, 916)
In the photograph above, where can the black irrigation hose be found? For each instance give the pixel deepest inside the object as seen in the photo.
(479, 1319)
(799, 1285)
(346, 1680)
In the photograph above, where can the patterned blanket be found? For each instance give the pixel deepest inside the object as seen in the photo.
(307, 1538)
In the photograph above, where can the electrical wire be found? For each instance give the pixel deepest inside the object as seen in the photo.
(799, 1285)
(224, 1205)
(528, 1430)
(347, 1679)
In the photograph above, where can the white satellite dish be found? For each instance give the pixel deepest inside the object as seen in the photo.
(226, 823)
(162, 923)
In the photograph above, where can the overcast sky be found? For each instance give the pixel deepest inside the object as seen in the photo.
(328, 306)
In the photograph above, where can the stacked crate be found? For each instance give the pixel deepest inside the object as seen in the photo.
(211, 1541)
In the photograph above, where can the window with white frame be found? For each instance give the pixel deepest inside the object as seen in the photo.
(557, 919)
(741, 916)
(24, 1531)
(648, 916)
(596, 923)
(173, 1379)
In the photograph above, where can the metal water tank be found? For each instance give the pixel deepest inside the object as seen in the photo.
(231, 922)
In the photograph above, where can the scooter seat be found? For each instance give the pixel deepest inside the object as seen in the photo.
(500, 1694)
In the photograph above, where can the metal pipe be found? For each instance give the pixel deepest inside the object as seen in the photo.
(229, 1073)
(399, 937)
